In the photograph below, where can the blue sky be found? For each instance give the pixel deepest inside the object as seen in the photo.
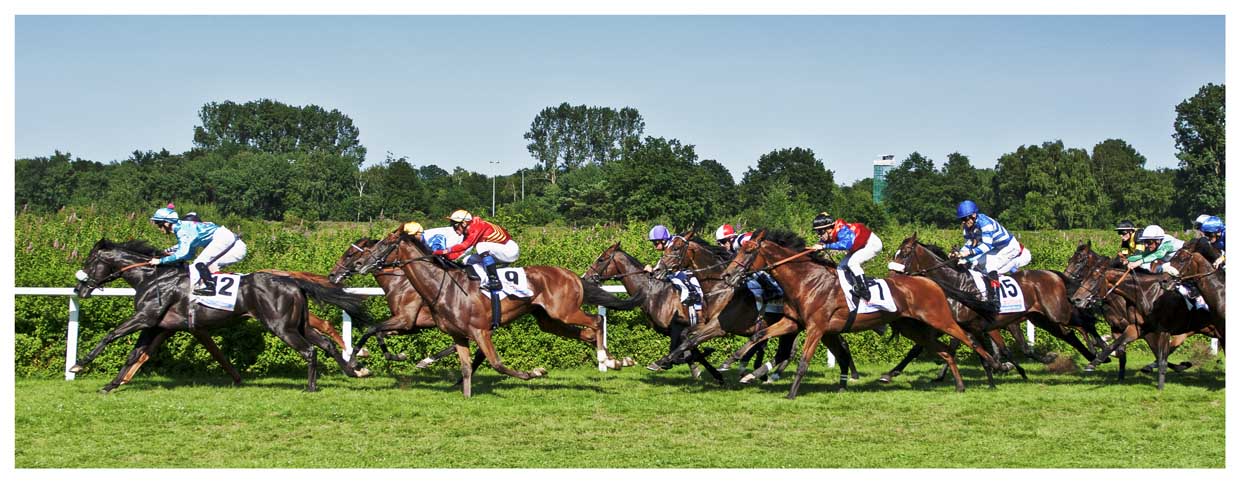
(461, 91)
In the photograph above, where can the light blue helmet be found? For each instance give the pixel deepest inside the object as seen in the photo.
(659, 232)
(167, 214)
(1212, 225)
(965, 208)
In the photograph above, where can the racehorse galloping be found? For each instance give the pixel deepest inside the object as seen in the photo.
(464, 313)
(161, 303)
(1044, 291)
(1156, 309)
(661, 302)
(811, 288)
(734, 310)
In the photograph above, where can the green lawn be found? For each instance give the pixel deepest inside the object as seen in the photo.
(629, 419)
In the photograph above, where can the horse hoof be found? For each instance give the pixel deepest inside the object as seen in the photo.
(363, 353)
(747, 379)
(1089, 368)
(654, 366)
(697, 373)
(363, 372)
(106, 390)
(538, 372)
(1006, 366)
(612, 364)
(424, 363)
(724, 368)
(76, 368)
(628, 362)
(885, 379)
(1181, 367)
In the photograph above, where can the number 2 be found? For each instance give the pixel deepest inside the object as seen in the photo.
(225, 284)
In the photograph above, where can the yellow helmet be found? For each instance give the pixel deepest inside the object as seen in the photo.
(412, 228)
(460, 216)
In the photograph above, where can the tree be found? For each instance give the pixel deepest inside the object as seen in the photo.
(804, 173)
(1115, 166)
(1048, 186)
(275, 127)
(661, 181)
(914, 193)
(1201, 140)
(565, 137)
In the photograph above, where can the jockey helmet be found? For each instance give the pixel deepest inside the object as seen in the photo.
(1152, 232)
(965, 208)
(412, 228)
(1124, 226)
(167, 214)
(1212, 225)
(724, 232)
(823, 221)
(659, 232)
(1200, 219)
(460, 216)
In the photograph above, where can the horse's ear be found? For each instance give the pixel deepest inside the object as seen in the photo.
(615, 246)
(689, 235)
(759, 235)
(914, 236)
(1089, 243)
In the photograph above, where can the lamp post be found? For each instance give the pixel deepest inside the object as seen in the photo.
(494, 165)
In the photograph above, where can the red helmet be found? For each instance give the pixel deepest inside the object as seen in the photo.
(724, 232)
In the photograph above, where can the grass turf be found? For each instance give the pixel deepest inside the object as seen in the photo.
(627, 419)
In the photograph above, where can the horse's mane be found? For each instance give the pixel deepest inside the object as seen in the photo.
(630, 258)
(719, 252)
(364, 242)
(141, 247)
(791, 240)
(941, 253)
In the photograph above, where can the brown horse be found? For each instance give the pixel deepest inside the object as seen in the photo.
(463, 312)
(811, 288)
(1197, 269)
(1116, 311)
(1156, 308)
(734, 310)
(1045, 294)
(661, 302)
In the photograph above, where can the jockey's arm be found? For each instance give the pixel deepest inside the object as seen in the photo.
(843, 240)
(459, 249)
(183, 248)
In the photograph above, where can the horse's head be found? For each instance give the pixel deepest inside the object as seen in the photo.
(1190, 263)
(1082, 260)
(1092, 286)
(106, 262)
(379, 252)
(605, 266)
(907, 257)
(747, 257)
(343, 268)
(675, 255)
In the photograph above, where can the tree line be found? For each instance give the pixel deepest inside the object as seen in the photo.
(596, 165)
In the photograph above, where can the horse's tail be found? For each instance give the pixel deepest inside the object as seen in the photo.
(352, 304)
(595, 295)
(969, 300)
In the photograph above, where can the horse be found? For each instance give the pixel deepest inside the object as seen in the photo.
(1044, 291)
(1115, 310)
(464, 313)
(811, 288)
(731, 310)
(162, 304)
(1195, 267)
(661, 302)
(1154, 309)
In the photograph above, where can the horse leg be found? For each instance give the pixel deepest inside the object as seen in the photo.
(133, 324)
(317, 339)
(461, 346)
(142, 351)
(1129, 334)
(1065, 335)
(843, 357)
(393, 324)
(812, 336)
(923, 336)
(852, 364)
(952, 346)
(701, 357)
(782, 331)
(428, 360)
(1006, 353)
(482, 337)
(950, 327)
(1160, 353)
(899, 368)
(743, 351)
(1175, 342)
(479, 356)
(205, 339)
(326, 328)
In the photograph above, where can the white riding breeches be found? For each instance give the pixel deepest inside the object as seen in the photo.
(222, 250)
(1005, 260)
(853, 260)
(502, 252)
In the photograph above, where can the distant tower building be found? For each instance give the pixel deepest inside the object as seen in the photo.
(881, 166)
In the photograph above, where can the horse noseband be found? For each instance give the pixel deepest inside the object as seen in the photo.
(82, 276)
(899, 267)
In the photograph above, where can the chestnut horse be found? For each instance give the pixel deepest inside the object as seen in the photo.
(1156, 308)
(461, 310)
(811, 288)
(662, 304)
(1045, 293)
(161, 304)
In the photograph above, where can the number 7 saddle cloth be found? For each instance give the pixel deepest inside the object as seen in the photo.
(880, 295)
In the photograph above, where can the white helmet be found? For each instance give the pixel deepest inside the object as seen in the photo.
(460, 216)
(1200, 219)
(724, 232)
(1152, 232)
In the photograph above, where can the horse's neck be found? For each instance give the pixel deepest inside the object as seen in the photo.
(794, 283)
(427, 278)
(392, 280)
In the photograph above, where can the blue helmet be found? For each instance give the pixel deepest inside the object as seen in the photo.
(1212, 225)
(965, 208)
(659, 232)
(167, 214)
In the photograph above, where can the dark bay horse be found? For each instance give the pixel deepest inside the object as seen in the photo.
(730, 310)
(1197, 269)
(162, 303)
(661, 302)
(1156, 308)
(1045, 293)
(463, 312)
(811, 288)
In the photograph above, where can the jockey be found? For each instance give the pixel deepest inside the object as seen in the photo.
(684, 280)
(989, 247)
(492, 242)
(761, 284)
(1127, 238)
(435, 238)
(854, 238)
(220, 247)
(1216, 232)
(1157, 248)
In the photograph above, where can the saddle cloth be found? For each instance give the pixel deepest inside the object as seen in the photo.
(225, 298)
(512, 279)
(1011, 297)
(880, 295)
(772, 305)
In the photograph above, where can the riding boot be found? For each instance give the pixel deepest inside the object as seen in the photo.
(859, 287)
(494, 286)
(207, 280)
(993, 277)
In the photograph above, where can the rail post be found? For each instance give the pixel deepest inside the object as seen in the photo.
(347, 328)
(71, 339)
(602, 311)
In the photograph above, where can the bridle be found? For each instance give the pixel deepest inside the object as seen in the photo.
(93, 284)
(597, 277)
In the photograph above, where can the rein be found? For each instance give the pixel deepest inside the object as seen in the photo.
(807, 251)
